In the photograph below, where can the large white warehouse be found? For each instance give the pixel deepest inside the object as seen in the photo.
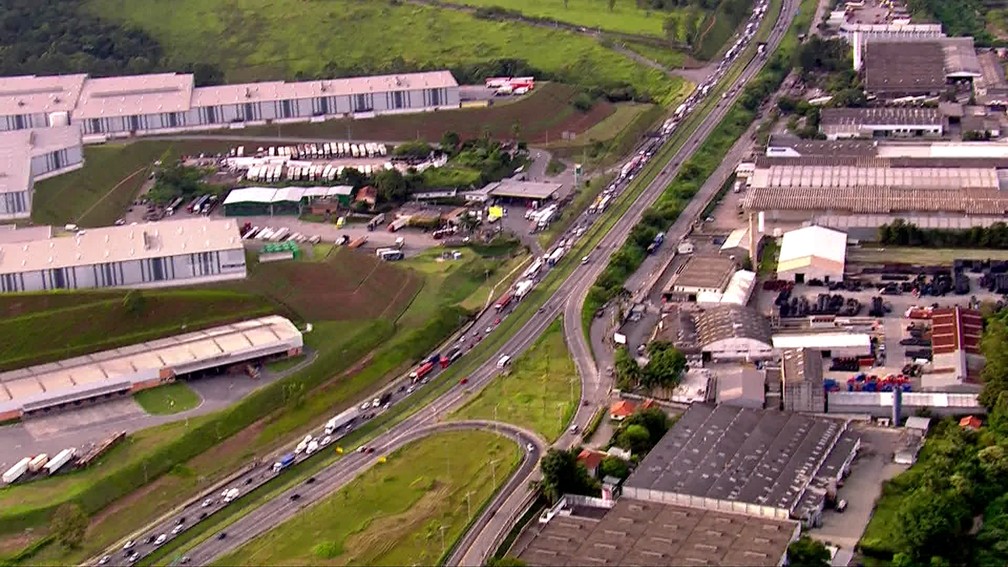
(812, 253)
(28, 156)
(180, 252)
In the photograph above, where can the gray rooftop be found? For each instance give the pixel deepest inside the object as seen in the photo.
(895, 116)
(523, 189)
(731, 321)
(799, 365)
(904, 68)
(704, 271)
(635, 532)
(761, 457)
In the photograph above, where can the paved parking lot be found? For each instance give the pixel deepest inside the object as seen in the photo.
(864, 485)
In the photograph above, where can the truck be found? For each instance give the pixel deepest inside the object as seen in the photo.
(450, 356)
(534, 268)
(16, 471)
(391, 255)
(342, 420)
(229, 495)
(312, 447)
(284, 462)
(61, 458)
(421, 371)
(398, 223)
(555, 256)
(604, 204)
(37, 462)
(504, 301)
(680, 110)
(656, 243)
(522, 288)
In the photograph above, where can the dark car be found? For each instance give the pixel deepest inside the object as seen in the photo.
(295, 497)
(310, 480)
(222, 535)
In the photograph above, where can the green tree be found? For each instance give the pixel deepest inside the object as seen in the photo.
(634, 438)
(391, 186)
(450, 141)
(134, 302)
(932, 523)
(562, 474)
(612, 5)
(665, 367)
(653, 419)
(807, 552)
(614, 466)
(69, 524)
(628, 372)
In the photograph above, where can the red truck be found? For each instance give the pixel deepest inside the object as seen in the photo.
(451, 356)
(504, 301)
(423, 370)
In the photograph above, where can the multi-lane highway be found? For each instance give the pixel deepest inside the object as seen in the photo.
(567, 300)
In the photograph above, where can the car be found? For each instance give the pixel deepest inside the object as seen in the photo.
(574, 428)
(530, 447)
(295, 497)
(410, 390)
(464, 381)
(375, 402)
(311, 480)
(222, 535)
(488, 330)
(370, 450)
(584, 260)
(184, 560)
(327, 440)
(202, 515)
(180, 521)
(248, 480)
(151, 538)
(365, 406)
(497, 321)
(177, 529)
(105, 559)
(362, 449)
(129, 545)
(160, 539)
(841, 506)
(208, 502)
(133, 557)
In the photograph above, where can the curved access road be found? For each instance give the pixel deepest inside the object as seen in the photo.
(283, 507)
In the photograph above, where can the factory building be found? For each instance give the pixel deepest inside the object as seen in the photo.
(254, 201)
(897, 69)
(27, 156)
(165, 103)
(733, 333)
(701, 275)
(955, 340)
(881, 122)
(802, 381)
(67, 384)
(812, 253)
(760, 463)
(168, 253)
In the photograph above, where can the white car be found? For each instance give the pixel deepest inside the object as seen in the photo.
(207, 502)
(375, 403)
(530, 447)
(365, 406)
(105, 559)
(410, 390)
(177, 529)
(327, 440)
(129, 545)
(160, 539)
(132, 558)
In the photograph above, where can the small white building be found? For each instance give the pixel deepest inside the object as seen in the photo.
(829, 344)
(812, 253)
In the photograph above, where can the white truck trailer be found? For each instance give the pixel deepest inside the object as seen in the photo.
(16, 471)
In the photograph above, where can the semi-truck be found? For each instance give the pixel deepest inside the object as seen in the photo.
(16, 471)
(61, 458)
(555, 256)
(421, 371)
(504, 301)
(284, 462)
(398, 223)
(341, 420)
(656, 243)
(450, 356)
(522, 288)
(229, 495)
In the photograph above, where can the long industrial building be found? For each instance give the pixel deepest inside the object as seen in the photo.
(196, 250)
(28, 156)
(170, 102)
(105, 375)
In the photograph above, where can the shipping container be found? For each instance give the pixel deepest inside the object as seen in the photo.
(16, 471)
(61, 458)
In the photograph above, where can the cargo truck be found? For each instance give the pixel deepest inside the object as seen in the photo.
(504, 301)
(656, 243)
(398, 223)
(284, 462)
(312, 447)
(61, 458)
(16, 471)
(341, 420)
(423, 370)
(450, 356)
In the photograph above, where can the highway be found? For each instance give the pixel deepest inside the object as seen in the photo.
(567, 300)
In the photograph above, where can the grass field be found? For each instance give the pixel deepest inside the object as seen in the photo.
(394, 513)
(44, 327)
(272, 39)
(670, 58)
(540, 392)
(625, 17)
(543, 115)
(614, 124)
(168, 399)
(919, 256)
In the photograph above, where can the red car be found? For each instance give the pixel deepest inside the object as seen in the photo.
(497, 321)
(370, 450)
(464, 381)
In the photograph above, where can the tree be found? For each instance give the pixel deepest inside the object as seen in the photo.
(933, 523)
(634, 438)
(612, 5)
(665, 367)
(134, 302)
(68, 525)
(507, 560)
(807, 552)
(653, 419)
(562, 474)
(628, 372)
(391, 185)
(614, 466)
(450, 141)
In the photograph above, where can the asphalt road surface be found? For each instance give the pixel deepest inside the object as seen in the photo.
(567, 300)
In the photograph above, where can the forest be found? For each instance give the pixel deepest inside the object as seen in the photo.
(48, 37)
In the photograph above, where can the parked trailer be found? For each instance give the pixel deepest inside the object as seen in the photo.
(37, 462)
(61, 458)
(16, 471)
(398, 223)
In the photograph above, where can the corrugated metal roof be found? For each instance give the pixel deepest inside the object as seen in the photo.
(954, 329)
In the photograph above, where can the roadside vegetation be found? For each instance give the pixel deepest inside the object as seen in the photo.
(169, 399)
(406, 510)
(540, 390)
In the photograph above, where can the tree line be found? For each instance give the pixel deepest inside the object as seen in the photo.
(902, 233)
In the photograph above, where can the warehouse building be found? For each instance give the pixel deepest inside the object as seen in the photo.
(92, 378)
(880, 404)
(827, 344)
(701, 274)
(896, 69)
(581, 531)
(27, 156)
(812, 253)
(256, 201)
(761, 463)
(168, 253)
(741, 386)
(802, 381)
(165, 103)
(955, 341)
(881, 122)
(937, 185)
(733, 333)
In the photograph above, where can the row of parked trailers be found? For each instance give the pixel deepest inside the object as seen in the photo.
(283, 234)
(38, 465)
(202, 205)
(321, 150)
(273, 173)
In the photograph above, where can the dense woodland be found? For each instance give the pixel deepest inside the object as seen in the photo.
(902, 233)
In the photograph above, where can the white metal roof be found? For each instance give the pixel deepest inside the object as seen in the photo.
(134, 95)
(121, 243)
(739, 288)
(17, 147)
(118, 369)
(736, 239)
(945, 150)
(802, 247)
(926, 399)
(283, 194)
(29, 94)
(822, 341)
